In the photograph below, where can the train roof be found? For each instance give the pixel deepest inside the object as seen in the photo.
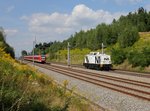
(95, 53)
(33, 55)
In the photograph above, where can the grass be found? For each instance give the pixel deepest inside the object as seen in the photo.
(76, 55)
(23, 88)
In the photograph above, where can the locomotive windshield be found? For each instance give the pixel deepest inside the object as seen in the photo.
(106, 58)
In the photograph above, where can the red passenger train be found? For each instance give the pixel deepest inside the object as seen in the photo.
(36, 58)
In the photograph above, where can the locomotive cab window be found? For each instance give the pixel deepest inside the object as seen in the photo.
(99, 59)
(106, 58)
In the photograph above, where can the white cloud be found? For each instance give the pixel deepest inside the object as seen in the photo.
(9, 9)
(60, 25)
(11, 32)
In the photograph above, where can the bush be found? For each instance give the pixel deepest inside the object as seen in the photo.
(146, 52)
(140, 58)
(136, 59)
(118, 56)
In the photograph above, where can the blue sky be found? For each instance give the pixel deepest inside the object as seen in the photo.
(50, 20)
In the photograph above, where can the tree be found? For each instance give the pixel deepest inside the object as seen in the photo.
(100, 33)
(128, 37)
(40, 46)
(8, 49)
(2, 35)
(24, 53)
(139, 58)
(118, 56)
(141, 10)
(146, 52)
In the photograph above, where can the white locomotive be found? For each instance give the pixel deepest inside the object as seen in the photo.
(97, 60)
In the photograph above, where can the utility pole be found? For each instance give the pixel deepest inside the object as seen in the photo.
(68, 54)
(49, 53)
(102, 48)
(34, 42)
(33, 53)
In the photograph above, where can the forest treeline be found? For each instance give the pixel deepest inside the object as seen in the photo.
(3, 44)
(124, 31)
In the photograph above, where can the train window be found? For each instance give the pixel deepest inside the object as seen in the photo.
(99, 59)
(106, 58)
(43, 56)
(95, 53)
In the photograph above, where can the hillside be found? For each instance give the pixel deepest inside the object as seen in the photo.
(139, 57)
(134, 58)
(23, 88)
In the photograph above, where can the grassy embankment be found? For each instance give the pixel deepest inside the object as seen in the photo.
(23, 88)
(142, 43)
(77, 55)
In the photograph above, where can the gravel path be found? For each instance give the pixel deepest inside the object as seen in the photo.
(108, 99)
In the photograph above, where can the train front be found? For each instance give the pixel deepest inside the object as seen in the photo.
(96, 60)
(105, 61)
(43, 58)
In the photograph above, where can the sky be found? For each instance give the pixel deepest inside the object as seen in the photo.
(57, 20)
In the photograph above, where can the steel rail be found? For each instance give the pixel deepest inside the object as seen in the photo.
(117, 71)
(101, 83)
(119, 79)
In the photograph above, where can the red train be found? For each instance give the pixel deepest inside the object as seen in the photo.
(36, 58)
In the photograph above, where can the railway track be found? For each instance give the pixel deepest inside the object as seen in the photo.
(116, 71)
(130, 87)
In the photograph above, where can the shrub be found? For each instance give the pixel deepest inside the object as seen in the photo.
(136, 59)
(139, 58)
(146, 52)
(118, 56)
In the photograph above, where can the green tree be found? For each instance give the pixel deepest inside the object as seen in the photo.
(9, 50)
(24, 53)
(146, 52)
(118, 56)
(101, 33)
(128, 37)
(91, 40)
(139, 58)
(136, 59)
(3, 44)
(114, 32)
(2, 35)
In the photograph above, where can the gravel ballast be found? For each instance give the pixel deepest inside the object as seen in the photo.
(106, 98)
